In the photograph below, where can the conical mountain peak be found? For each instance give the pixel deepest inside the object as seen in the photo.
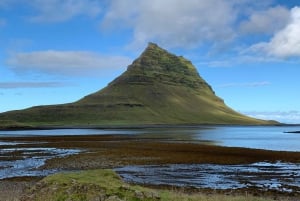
(157, 88)
(155, 57)
(157, 65)
(153, 46)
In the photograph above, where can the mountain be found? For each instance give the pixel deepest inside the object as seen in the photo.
(157, 88)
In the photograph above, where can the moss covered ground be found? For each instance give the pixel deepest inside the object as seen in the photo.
(106, 185)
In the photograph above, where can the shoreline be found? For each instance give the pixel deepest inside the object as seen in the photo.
(137, 126)
(162, 150)
(111, 151)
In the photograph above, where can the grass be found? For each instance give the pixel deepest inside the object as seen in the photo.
(107, 185)
(129, 104)
(11, 124)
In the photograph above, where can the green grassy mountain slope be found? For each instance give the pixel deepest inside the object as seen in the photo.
(157, 88)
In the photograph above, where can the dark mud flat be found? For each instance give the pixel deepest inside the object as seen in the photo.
(112, 151)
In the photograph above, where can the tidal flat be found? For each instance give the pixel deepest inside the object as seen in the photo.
(65, 153)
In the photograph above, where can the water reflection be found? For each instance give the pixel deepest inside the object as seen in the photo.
(65, 132)
(255, 137)
(188, 134)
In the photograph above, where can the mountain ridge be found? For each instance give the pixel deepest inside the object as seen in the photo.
(157, 88)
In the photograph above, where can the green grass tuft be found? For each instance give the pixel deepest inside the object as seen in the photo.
(107, 185)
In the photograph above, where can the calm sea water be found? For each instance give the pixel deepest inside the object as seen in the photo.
(258, 137)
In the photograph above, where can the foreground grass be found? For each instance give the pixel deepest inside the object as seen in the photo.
(106, 185)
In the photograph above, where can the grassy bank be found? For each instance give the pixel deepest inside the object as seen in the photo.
(13, 125)
(106, 185)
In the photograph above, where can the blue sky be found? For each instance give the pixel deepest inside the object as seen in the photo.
(57, 51)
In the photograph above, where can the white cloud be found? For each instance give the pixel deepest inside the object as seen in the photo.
(14, 85)
(248, 84)
(286, 42)
(266, 21)
(284, 117)
(66, 62)
(62, 10)
(173, 23)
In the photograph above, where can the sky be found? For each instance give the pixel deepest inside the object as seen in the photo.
(58, 51)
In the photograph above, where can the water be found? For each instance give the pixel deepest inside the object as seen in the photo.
(64, 132)
(260, 137)
(257, 137)
(27, 161)
(279, 176)
(283, 177)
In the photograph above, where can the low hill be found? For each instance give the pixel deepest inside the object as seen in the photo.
(157, 88)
